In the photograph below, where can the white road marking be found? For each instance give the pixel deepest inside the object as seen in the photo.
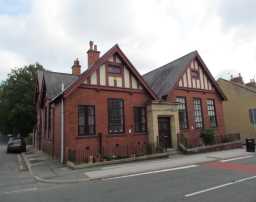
(21, 190)
(151, 172)
(237, 158)
(220, 186)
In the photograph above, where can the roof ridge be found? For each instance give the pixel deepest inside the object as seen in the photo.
(70, 74)
(158, 68)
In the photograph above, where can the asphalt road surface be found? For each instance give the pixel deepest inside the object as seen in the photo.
(232, 181)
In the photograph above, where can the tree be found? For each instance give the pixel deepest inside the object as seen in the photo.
(17, 107)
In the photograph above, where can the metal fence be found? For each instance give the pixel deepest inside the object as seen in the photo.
(116, 151)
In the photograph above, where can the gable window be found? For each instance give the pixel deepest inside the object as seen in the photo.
(86, 120)
(198, 116)
(252, 115)
(182, 108)
(115, 116)
(212, 113)
(195, 74)
(140, 119)
(114, 69)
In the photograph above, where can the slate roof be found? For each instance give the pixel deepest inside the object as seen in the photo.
(163, 79)
(236, 84)
(53, 81)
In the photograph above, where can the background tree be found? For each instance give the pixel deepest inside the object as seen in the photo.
(17, 107)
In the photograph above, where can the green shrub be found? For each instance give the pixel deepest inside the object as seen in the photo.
(208, 136)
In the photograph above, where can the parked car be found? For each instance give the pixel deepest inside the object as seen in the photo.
(16, 144)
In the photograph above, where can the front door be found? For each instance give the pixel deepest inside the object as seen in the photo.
(164, 132)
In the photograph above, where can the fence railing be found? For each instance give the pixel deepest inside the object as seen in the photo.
(112, 152)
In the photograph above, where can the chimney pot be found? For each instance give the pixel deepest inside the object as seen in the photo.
(238, 79)
(91, 45)
(93, 54)
(76, 68)
(251, 83)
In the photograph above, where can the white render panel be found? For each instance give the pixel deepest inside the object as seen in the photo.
(102, 75)
(118, 60)
(196, 65)
(111, 81)
(210, 85)
(111, 59)
(180, 83)
(205, 82)
(134, 83)
(189, 78)
(126, 78)
(192, 65)
(185, 80)
(193, 83)
(94, 78)
(85, 81)
(119, 82)
(198, 83)
(201, 78)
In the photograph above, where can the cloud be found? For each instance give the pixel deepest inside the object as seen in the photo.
(151, 32)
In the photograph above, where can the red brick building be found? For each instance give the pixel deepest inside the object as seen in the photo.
(189, 82)
(111, 110)
(99, 112)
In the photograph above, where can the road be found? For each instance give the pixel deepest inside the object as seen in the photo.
(211, 182)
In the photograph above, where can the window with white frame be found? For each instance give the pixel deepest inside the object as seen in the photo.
(182, 108)
(198, 116)
(211, 113)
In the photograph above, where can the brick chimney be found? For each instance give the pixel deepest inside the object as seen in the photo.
(238, 79)
(93, 54)
(252, 83)
(76, 68)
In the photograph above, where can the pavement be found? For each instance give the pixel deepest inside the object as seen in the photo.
(43, 169)
(218, 176)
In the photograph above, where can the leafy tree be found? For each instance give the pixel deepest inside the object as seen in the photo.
(17, 107)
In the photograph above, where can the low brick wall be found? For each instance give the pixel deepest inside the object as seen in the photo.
(210, 148)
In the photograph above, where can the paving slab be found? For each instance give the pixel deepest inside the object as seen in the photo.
(52, 171)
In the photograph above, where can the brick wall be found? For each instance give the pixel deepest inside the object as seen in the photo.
(194, 134)
(124, 143)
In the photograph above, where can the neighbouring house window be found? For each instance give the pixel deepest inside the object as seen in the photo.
(182, 108)
(115, 116)
(140, 119)
(114, 69)
(211, 113)
(86, 120)
(198, 113)
(252, 114)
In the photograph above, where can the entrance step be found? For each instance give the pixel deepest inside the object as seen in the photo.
(172, 151)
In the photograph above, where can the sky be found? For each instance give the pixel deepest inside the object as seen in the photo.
(150, 32)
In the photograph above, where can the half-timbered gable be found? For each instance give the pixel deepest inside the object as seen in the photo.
(195, 77)
(114, 72)
(188, 82)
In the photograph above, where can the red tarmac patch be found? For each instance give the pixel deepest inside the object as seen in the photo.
(233, 166)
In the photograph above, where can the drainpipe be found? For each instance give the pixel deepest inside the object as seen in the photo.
(62, 126)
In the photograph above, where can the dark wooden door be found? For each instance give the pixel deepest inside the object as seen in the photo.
(164, 132)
